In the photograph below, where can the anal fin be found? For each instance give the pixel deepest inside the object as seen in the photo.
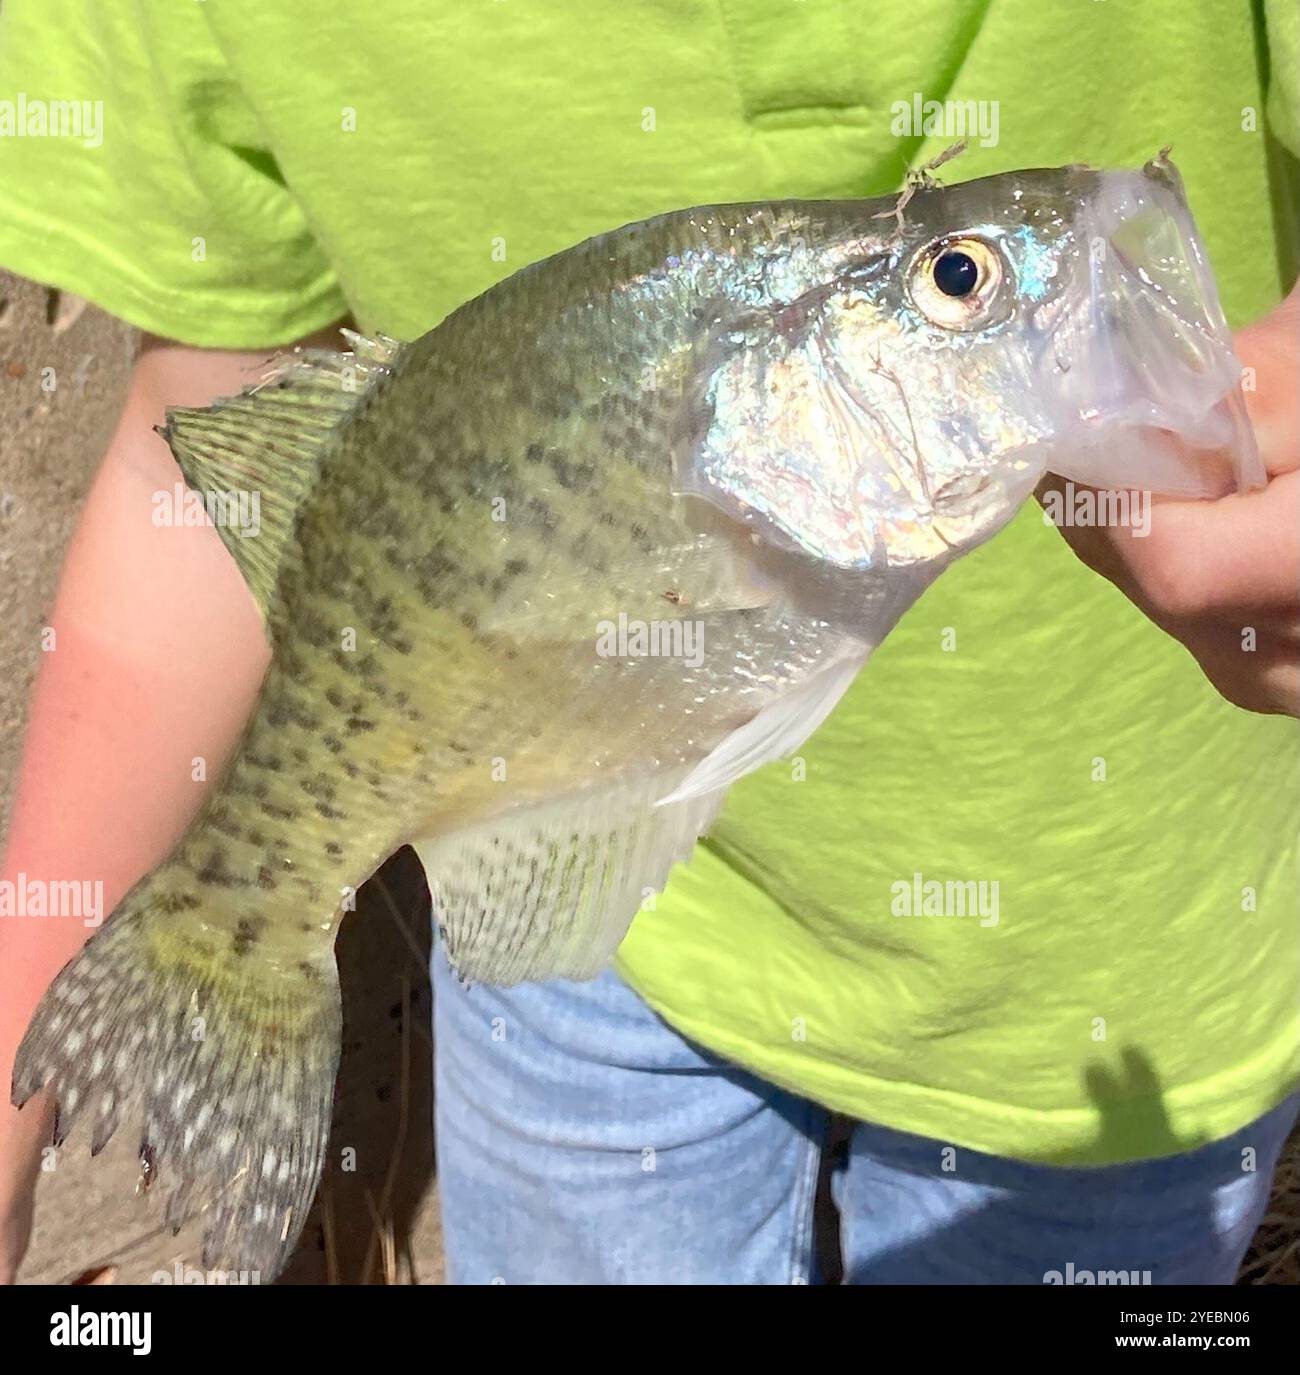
(551, 891)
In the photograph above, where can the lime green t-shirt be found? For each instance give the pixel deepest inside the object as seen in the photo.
(240, 173)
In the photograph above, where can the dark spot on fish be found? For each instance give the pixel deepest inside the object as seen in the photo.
(313, 629)
(357, 725)
(542, 514)
(319, 785)
(332, 847)
(332, 743)
(469, 620)
(265, 878)
(428, 568)
(534, 454)
(293, 665)
(308, 971)
(216, 873)
(335, 698)
(255, 837)
(247, 934)
(330, 813)
(571, 475)
(171, 903)
(219, 819)
(350, 768)
(279, 813)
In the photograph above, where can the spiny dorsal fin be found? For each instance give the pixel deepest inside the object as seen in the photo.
(260, 450)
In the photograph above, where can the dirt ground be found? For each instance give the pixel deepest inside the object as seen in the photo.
(378, 1222)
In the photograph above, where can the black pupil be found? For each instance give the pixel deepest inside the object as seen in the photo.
(955, 273)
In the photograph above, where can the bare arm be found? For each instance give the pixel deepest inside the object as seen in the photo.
(158, 655)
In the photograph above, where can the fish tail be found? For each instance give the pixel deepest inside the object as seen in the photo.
(229, 1059)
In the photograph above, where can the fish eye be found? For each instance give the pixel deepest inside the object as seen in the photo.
(955, 272)
(954, 282)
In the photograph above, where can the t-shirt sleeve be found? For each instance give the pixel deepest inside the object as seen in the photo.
(134, 172)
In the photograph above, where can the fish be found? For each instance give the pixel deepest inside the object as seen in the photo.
(763, 429)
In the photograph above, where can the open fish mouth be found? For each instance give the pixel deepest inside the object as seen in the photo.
(1143, 363)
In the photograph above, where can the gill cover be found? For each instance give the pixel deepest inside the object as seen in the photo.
(785, 433)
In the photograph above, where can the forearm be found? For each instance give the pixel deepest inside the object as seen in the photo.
(155, 661)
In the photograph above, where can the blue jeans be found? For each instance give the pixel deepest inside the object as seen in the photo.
(583, 1141)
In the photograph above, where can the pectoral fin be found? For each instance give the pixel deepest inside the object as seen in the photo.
(778, 730)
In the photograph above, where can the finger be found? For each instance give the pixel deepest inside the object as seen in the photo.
(1096, 546)
(1239, 555)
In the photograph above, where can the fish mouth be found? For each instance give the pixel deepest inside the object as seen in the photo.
(1143, 361)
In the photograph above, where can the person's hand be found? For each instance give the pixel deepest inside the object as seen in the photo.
(1210, 572)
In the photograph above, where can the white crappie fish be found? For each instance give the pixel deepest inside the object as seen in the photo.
(754, 432)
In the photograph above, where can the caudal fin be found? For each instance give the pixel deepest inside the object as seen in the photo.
(228, 1060)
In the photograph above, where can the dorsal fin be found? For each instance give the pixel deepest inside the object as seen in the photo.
(264, 445)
